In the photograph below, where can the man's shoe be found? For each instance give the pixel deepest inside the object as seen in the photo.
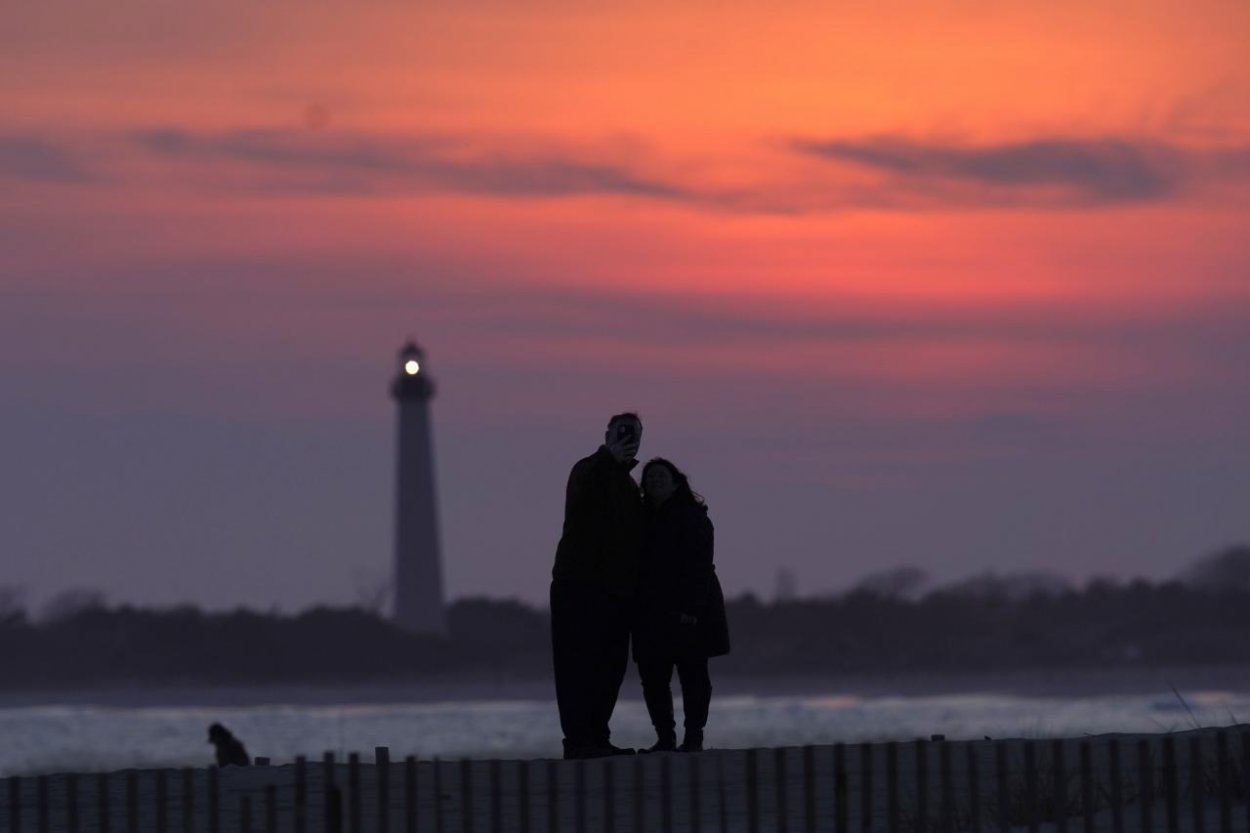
(607, 750)
(693, 742)
(620, 751)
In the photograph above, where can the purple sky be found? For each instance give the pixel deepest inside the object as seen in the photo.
(163, 460)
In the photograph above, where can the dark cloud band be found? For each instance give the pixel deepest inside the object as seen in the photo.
(1075, 171)
(369, 164)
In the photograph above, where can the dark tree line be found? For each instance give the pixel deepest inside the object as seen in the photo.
(885, 624)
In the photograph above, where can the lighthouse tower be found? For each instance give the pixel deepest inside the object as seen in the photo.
(418, 568)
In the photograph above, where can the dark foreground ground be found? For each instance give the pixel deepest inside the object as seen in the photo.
(1187, 781)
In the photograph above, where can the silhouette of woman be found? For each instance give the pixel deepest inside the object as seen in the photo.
(680, 618)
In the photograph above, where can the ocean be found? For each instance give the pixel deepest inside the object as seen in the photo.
(84, 737)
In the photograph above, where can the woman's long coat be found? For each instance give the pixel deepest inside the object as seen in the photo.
(677, 576)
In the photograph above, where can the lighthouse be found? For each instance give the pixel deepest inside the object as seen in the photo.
(418, 567)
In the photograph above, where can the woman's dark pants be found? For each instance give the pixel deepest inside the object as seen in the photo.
(696, 692)
(590, 651)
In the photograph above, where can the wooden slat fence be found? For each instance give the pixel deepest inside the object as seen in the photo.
(1182, 783)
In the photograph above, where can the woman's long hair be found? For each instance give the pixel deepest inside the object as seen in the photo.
(684, 492)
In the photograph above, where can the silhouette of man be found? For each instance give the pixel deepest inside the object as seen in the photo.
(592, 587)
(230, 751)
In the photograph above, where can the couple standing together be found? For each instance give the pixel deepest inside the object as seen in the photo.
(633, 563)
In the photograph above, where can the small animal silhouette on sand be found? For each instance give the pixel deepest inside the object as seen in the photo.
(230, 750)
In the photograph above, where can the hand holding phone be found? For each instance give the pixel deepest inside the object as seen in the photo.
(623, 440)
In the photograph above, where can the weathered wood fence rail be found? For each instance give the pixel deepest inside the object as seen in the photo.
(1194, 781)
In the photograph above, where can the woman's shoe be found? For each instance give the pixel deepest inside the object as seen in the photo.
(666, 743)
(693, 742)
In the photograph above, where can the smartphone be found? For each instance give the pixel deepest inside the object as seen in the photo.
(626, 431)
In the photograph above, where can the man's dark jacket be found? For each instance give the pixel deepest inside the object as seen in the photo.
(602, 526)
(677, 576)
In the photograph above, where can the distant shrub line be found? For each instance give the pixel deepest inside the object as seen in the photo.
(1104, 624)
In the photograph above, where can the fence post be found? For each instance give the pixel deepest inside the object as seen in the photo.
(666, 794)
(132, 802)
(640, 792)
(1146, 786)
(496, 796)
(410, 794)
(1224, 780)
(1060, 791)
(946, 786)
(382, 772)
(609, 795)
(333, 808)
(553, 797)
(299, 800)
(1245, 773)
(42, 802)
(779, 789)
(865, 787)
(891, 786)
(523, 796)
(1117, 786)
(188, 800)
(162, 802)
(974, 789)
(466, 795)
(102, 803)
(696, 795)
(1169, 785)
(922, 785)
(1030, 786)
(752, 787)
(1197, 783)
(841, 812)
(1087, 785)
(72, 821)
(437, 792)
(271, 809)
(721, 801)
(809, 789)
(579, 797)
(15, 804)
(354, 813)
(214, 800)
(1004, 796)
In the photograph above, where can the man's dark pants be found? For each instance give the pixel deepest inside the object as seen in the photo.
(590, 650)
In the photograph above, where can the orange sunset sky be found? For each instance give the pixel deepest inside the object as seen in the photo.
(964, 285)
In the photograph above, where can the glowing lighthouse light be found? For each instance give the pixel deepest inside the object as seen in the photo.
(412, 367)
